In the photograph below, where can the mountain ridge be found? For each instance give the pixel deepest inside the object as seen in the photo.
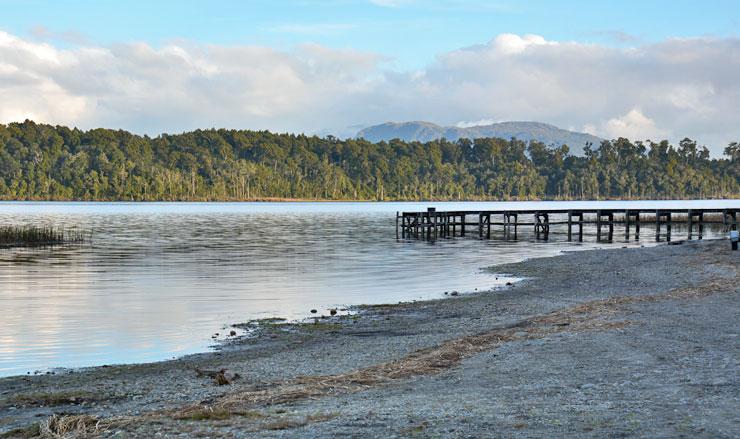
(423, 131)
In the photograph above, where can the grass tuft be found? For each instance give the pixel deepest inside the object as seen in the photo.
(289, 423)
(29, 236)
(206, 414)
(70, 425)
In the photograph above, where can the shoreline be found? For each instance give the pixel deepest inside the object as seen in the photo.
(344, 310)
(729, 197)
(377, 335)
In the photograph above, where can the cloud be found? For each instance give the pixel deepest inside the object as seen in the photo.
(633, 125)
(43, 33)
(178, 87)
(618, 36)
(665, 89)
(475, 123)
(674, 88)
(511, 44)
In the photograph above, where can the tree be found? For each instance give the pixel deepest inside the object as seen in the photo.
(40, 161)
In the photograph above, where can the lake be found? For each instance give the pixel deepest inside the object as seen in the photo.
(158, 280)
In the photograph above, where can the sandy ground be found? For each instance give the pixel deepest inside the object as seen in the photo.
(620, 342)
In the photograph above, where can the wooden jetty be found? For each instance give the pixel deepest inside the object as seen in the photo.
(432, 224)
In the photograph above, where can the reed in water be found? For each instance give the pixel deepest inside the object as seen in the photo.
(23, 236)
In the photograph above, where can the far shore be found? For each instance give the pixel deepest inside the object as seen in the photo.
(727, 197)
(617, 342)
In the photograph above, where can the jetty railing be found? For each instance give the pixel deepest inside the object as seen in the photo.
(432, 224)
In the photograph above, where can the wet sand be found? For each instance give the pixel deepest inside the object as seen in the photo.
(619, 342)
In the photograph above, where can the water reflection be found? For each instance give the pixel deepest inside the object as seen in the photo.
(158, 279)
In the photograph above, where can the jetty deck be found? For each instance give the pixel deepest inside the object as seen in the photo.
(433, 224)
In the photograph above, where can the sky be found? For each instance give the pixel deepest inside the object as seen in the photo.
(639, 69)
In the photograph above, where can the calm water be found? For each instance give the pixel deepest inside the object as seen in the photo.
(159, 279)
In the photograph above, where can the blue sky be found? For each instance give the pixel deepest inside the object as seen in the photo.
(410, 33)
(638, 69)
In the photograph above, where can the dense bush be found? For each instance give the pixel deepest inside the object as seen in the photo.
(58, 163)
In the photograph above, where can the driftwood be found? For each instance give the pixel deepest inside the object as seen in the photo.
(220, 377)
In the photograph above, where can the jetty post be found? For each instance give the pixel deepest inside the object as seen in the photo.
(626, 225)
(432, 224)
(570, 224)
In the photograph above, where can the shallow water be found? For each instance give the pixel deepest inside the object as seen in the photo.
(159, 279)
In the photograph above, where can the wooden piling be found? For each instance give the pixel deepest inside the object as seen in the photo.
(570, 224)
(668, 226)
(637, 226)
(626, 225)
(432, 224)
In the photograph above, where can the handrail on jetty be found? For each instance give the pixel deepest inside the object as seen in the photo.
(432, 224)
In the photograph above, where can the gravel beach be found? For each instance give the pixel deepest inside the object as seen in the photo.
(617, 342)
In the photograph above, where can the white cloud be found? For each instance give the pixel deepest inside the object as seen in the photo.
(475, 123)
(675, 88)
(177, 87)
(510, 44)
(633, 125)
(657, 90)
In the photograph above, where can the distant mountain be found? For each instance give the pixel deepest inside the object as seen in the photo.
(426, 131)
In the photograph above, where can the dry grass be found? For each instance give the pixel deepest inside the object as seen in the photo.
(288, 423)
(70, 426)
(205, 413)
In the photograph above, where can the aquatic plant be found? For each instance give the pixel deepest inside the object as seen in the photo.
(24, 236)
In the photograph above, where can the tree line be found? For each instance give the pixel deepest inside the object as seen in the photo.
(44, 162)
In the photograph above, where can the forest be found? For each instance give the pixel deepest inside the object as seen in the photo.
(44, 162)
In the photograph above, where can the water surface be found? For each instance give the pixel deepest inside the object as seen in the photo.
(159, 279)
